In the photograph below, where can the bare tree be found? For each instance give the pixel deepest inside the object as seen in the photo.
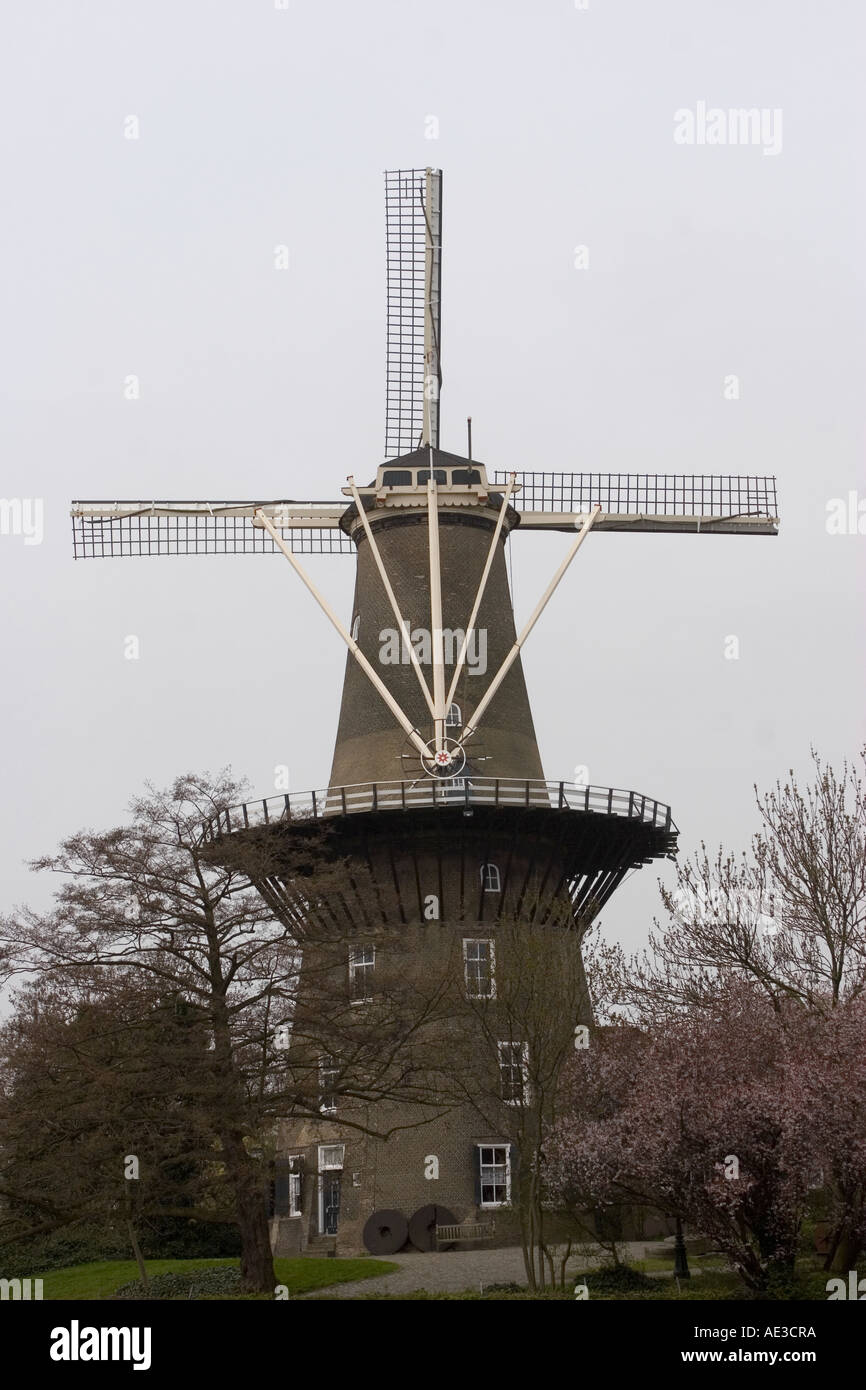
(790, 916)
(148, 901)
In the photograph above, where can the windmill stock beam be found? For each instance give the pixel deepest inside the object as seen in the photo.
(432, 207)
(292, 516)
(284, 514)
(688, 523)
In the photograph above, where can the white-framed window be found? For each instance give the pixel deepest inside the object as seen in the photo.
(295, 1165)
(362, 963)
(491, 881)
(479, 960)
(356, 627)
(285, 1188)
(494, 1170)
(328, 1073)
(513, 1071)
(454, 718)
(331, 1156)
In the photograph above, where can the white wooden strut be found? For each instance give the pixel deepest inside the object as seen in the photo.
(375, 680)
(436, 635)
(403, 626)
(482, 585)
(470, 727)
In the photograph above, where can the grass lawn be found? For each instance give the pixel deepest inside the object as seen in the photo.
(92, 1281)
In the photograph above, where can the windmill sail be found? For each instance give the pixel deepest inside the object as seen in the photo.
(110, 529)
(413, 238)
(726, 504)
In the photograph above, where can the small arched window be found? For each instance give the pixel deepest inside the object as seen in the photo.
(490, 879)
(454, 718)
(356, 627)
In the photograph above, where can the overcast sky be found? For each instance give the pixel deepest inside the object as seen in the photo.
(261, 126)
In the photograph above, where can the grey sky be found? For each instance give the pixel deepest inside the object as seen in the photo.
(155, 257)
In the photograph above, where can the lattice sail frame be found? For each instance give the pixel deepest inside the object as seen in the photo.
(413, 241)
(724, 504)
(110, 529)
(717, 503)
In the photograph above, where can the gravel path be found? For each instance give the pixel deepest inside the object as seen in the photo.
(448, 1271)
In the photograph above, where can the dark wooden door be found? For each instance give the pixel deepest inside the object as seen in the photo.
(331, 1202)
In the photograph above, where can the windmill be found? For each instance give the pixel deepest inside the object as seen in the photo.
(436, 783)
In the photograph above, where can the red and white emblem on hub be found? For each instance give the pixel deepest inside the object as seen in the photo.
(447, 761)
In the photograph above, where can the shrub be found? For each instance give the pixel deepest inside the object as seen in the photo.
(176, 1238)
(220, 1281)
(614, 1279)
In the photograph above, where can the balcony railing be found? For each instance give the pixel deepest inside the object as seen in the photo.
(330, 802)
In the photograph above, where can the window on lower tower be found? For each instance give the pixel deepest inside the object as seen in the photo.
(494, 1174)
(356, 627)
(285, 1193)
(328, 1073)
(295, 1165)
(454, 717)
(490, 879)
(331, 1156)
(362, 963)
(513, 1065)
(478, 961)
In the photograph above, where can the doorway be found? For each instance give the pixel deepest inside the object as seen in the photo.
(330, 1203)
(330, 1180)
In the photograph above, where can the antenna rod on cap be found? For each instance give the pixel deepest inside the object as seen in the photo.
(469, 436)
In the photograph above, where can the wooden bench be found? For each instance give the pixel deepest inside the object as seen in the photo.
(466, 1231)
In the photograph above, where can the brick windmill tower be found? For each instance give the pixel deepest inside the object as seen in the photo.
(436, 788)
